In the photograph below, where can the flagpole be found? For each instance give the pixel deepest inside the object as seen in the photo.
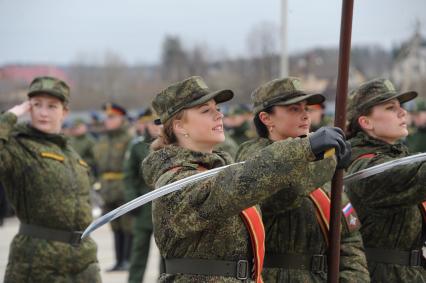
(339, 121)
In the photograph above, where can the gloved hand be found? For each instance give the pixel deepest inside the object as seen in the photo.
(326, 138)
(344, 160)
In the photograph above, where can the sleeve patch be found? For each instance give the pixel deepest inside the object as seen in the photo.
(351, 217)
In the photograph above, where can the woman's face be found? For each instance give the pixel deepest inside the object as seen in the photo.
(387, 122)
(47, 113)
(201, 127)
(289, 121)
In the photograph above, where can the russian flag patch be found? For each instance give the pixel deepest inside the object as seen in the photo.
(347, 210)
(351, 218)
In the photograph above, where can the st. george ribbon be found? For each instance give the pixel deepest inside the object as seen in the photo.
(178, 185)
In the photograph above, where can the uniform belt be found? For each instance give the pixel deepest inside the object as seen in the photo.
(240, 269)
(312, 262)
(407, 258)
(112, 176)
(73, 237)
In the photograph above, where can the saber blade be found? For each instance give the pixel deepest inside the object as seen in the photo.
(139, 201)
(377, 169)
(178, 185)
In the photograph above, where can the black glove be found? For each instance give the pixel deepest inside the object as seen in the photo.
(326, 138)
(344, 159)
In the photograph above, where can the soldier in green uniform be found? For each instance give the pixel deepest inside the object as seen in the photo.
(82, 141)
(211, 230)
(135, 186)
(416, 141)
(48, 185)
(109, 155)
(238, 127)
(389, 203)
(296, 241)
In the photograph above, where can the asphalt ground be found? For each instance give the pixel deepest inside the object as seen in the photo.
(103, 238)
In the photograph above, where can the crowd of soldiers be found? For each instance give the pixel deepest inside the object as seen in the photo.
(263, 220)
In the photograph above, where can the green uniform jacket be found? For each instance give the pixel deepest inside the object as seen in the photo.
(229, 145)
(202, 220)
(135, 185)
(416, 141)
(294, 229)
(387, 204)
(109, 155)
(48, 185)
(84, 144)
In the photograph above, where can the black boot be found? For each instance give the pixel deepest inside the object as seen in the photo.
(128, 238)
(119, 252)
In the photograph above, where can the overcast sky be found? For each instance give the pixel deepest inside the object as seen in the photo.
(59, 31)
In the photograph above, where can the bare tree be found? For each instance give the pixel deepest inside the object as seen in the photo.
(263, 49)
(174, 60)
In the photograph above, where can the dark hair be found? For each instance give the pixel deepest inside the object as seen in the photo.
(261, 129)
(353, 127)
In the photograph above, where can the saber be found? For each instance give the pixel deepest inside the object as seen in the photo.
(178, 185)
(139, 201)
(383, 167)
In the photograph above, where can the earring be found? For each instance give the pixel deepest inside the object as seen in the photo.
(186, 135)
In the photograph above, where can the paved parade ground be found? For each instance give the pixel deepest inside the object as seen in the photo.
(103, 237)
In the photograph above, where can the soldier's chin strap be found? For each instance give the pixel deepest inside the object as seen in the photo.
(178, 185)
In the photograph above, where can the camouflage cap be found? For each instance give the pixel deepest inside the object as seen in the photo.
(374, 92)
(188, 93)
(284, 91)
(51, 86)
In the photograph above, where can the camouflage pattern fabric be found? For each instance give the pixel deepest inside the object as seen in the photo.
(294, 228)
(109, 156)
(51, 86)
(416, 141)
(47, 185)
(281, 92)
(185, 94)
(84, 144)
(135, 186)
(372, 93)
(387, 205)
(202, 221)
(229, 145)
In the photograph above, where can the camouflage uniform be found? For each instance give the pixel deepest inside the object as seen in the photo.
(229, 145)
(387, 203)
(416, 141)
(202, 221)
(293, 231)
(48, 185)
(109, 155)
(142, 223)
(84, 144)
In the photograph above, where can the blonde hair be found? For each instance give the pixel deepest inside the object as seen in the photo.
(167, 136)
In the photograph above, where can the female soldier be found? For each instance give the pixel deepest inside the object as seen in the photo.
(48, 185)
(389, 204)
(296, 239)
(201, 230)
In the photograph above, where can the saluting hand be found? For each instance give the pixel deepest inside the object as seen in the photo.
(21, 109)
